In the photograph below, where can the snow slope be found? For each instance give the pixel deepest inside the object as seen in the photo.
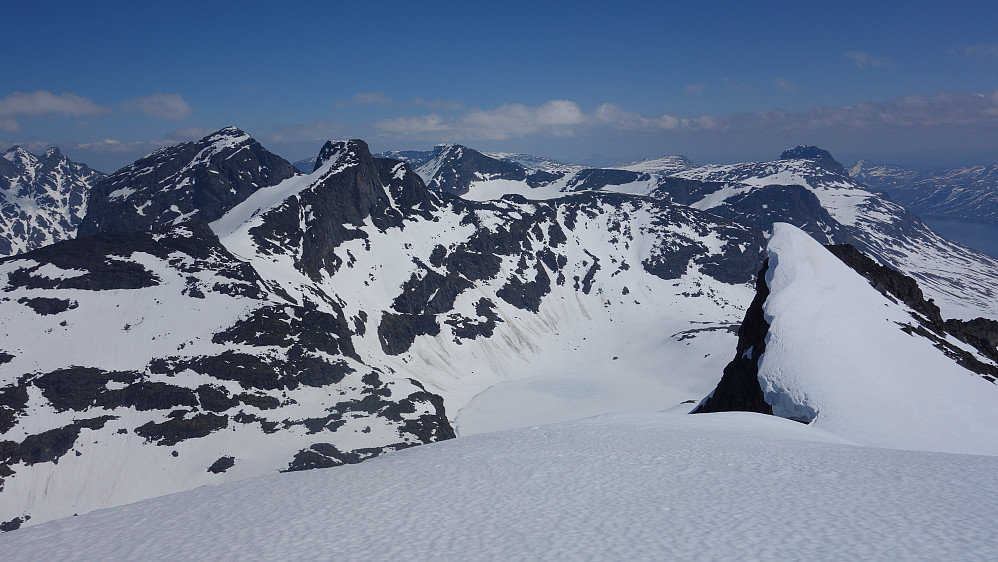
(843, 357)
(835, 352)
(622, 487)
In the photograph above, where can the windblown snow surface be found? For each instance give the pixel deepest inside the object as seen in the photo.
(651, 486)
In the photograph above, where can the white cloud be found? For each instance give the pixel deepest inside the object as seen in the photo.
(378, 97)
(555, 117)
(163, 106)
(695, 88)
(784, 84)
(862, 59)
(27, 104)
(564, 117)
(617, 117)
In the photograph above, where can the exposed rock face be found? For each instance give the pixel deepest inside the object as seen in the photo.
(453, 167)
(190, 181)
(739, 388)
(42, 199)
(819, 155)
(783, 203)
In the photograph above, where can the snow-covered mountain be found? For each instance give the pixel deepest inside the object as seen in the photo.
(306, 166)
(822, 345)
(809, 189)
(331, 317)
(806, 187)
(414, 158)
(42, 198)
(190, 181)
(969, 192)
(477, 176)
(664, 165)
(321, 320)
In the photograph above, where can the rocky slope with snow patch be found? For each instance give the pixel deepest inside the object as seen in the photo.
(42, 199)
(807, 188)
(176, 365)
(321, 320)
(477, 176)
(190, 181)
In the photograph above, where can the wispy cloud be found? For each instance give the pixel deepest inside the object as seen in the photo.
(984, 52)
(695, 88)
(565, 117)
(863, 60)
(314, 131)
(442, 105)
(366, 98)
(556, 117)
(163, 106)
(188, 134)
(24, 104)
(784, 84)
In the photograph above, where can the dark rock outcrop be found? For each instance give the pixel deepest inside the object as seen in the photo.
(739, 388)
(819, 155)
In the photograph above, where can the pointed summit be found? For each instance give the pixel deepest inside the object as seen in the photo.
(189, 181)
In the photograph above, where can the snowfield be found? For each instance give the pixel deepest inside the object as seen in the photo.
(652, 486)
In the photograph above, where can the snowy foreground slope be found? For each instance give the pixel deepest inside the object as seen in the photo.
(655, 486)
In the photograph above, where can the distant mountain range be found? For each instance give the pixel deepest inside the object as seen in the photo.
(969, 192)
(222, 315)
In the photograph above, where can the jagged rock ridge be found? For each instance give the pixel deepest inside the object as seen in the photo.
(42, 199)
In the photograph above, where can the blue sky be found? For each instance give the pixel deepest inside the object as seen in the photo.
(900, 82)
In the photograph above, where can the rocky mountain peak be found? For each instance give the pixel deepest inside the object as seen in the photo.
(820, 155)
(42, 200)
(453, 167)
(191, 181)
